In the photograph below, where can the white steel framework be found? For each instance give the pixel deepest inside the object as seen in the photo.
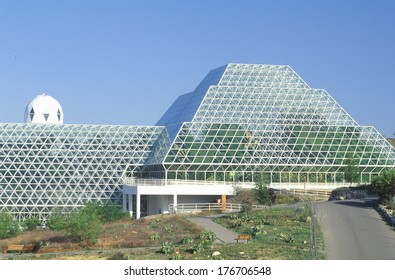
(43, 167)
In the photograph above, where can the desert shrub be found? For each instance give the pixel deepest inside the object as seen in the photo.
(8, 227)
(198, 248)
(167, 247)
(287, 238)
(155, 236)
(107, 212)
(246, 207)
(262, 194)
(187, 240)
(84, 226)
(58, 222)
(244, 197)
(176, 257)
(169, 228)
(286, 199)
(208, 235)
(256, 230)
(31, 223)
(383, 185)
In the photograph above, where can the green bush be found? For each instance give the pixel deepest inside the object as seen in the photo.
(245, 196)
(107, 212)
(155, 236)
(208, 235)
(262, 194)
(167, 247)
(58, 222)
(84, 226)
(187, 240)
(383, 185)
(176, 257)
(199, 247)
(246, 207)
(287, 199)
(8, 227)
(31, 223)
(169, 228)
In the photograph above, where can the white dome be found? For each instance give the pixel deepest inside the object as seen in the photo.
(44, 109)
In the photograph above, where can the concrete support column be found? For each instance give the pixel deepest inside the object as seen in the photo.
(175, 203)
(124, 197)
(138, 210)
(130, 198)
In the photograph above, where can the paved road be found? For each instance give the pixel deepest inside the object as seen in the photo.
(223, 234)
(353, 230)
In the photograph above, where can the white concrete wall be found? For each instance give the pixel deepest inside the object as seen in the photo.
(198, 198)
(158, 204)
(159, 197)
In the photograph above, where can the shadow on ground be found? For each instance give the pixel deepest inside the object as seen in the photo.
(360, 203)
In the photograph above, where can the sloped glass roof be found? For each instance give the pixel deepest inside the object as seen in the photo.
(265, 117)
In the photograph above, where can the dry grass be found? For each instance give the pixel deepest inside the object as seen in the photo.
(131, 239)
(124, 233)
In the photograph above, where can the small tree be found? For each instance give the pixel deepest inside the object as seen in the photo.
(261, 190)
(8, 227)
(352, 173)
(383, 185)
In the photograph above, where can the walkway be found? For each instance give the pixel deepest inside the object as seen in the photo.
(223, 234)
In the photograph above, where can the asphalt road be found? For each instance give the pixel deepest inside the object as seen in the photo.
(353, 230)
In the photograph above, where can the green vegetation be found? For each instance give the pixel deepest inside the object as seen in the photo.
(8, 227)
(352, 172)
(383, 185)
(261, 190)
(83, 225)
(31, 223)
(208, 236)
(167, 247)
(277, 233)
(106, 212)
(57, 222)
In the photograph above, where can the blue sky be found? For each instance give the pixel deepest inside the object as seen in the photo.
(125, 62)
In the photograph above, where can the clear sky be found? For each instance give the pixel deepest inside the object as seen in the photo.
(125, 62)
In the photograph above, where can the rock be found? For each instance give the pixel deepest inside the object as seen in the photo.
(216, 253)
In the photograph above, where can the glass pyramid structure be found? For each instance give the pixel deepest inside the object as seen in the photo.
(245, 118)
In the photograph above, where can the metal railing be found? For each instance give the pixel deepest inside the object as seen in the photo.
(198, 207)
(163, 182)
(143, 182)
(307, 185)
(305, 192)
